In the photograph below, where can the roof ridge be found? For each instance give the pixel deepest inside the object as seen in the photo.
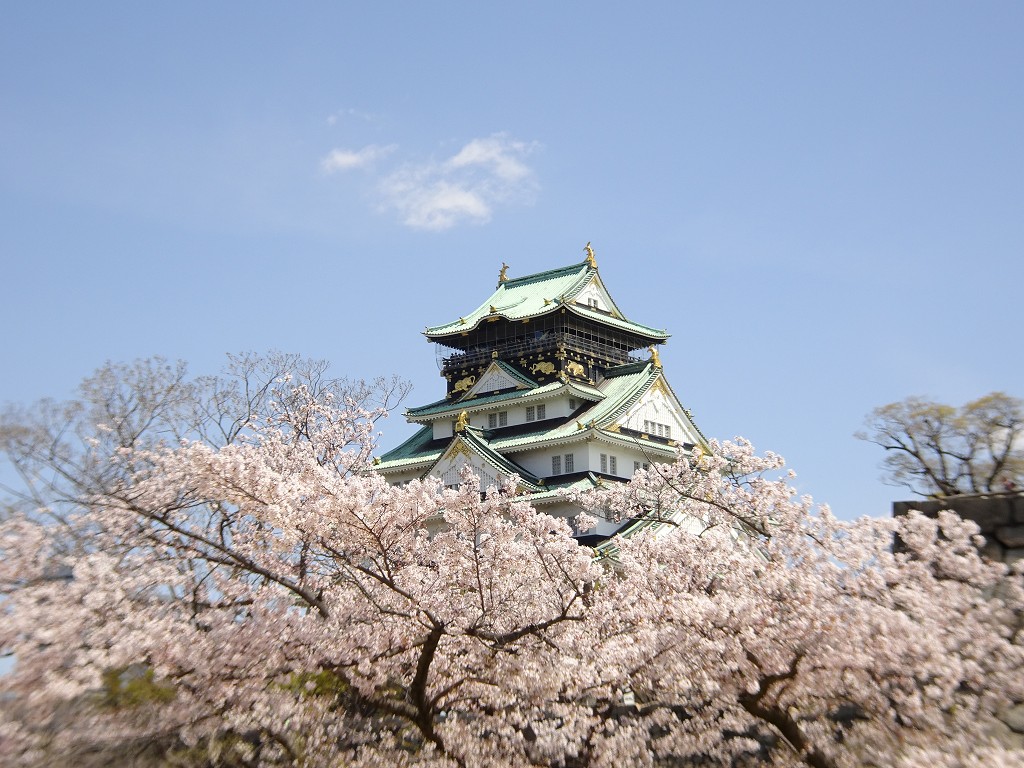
(545, 275)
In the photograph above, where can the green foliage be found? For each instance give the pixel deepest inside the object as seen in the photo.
(321, 683)
(133, 686)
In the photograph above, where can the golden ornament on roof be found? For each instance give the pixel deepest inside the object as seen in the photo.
(501, 275)
(655, 358)
(462, 422)
(590, 256)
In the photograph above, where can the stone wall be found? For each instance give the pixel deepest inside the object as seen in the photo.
(999, 515)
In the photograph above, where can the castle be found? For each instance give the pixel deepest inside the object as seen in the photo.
(548, 381)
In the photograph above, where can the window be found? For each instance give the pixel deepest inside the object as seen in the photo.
(541, 411)
(497, 419)
(638, 465)
(531, 414)
(604, 463)
(572, 404)
(568, 462)
(556, 465)
(660, 430)
(592, 302)
(614, 465)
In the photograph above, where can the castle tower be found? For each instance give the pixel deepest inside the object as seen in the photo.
(546, 380)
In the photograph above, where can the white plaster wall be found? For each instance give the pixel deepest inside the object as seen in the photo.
(394, 478)
(555, 408)
(656, 406)
(593, 292)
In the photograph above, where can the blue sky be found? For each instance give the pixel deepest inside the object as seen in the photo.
(823, 202)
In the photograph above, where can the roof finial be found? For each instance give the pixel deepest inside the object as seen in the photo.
(655, 357)
(590, 255)
(502, 277)
(462, 422)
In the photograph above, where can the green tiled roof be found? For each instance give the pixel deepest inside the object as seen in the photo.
(456, 406)
(616, 322)
(535, 295)
(553, 491)
(420, 447)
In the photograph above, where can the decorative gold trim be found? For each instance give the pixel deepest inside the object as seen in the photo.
(613, 427)
(462, 422)
(590, 255)
(659, 386)
(457, 449)
(501, 275)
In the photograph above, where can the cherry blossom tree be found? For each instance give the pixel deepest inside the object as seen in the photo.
(223, 585)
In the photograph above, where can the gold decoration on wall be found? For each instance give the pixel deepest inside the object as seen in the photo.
(462, 422)
(590, 255)
(614, 427)
(575, 369)
(458, 448)
(660, 386)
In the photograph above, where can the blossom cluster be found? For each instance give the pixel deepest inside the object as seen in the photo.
(274, 599)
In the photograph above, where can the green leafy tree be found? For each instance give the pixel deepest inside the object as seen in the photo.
(936, 449)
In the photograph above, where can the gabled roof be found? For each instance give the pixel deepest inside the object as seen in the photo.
(531, 296)
(471, 439)
(442, 408)
(419, 448)
(497, 370)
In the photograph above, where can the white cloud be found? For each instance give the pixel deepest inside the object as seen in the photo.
(498, 153)
(340, 160)
(348, 115)
(433, 204)
(465, 187)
